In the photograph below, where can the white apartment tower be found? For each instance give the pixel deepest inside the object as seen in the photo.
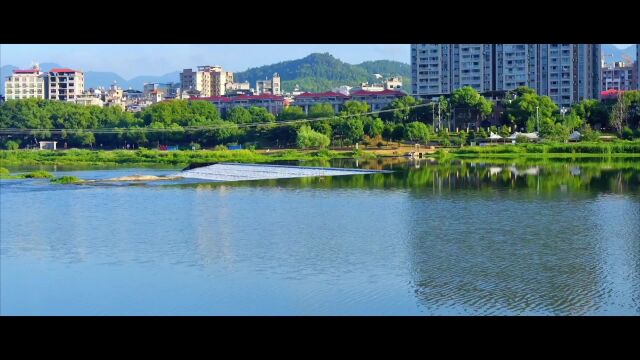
(64, 84)
(567, 73)
(25, 84)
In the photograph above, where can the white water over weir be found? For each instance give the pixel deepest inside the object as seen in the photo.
(238, 172)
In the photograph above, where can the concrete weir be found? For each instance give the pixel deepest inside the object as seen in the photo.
(238, 172)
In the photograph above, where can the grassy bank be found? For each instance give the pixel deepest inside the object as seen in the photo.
(142, 157)
(552, 150)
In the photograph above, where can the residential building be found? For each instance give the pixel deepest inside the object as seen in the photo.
(272, 103)
(132, 95)
(64, 84)
(618, 76)
(170, 90)
(25, 84)
(519, 63)
(88, 99)
(377, 100)
(369, 87)
(393, 83)
(307, 100)
(637, 71)
(267, 86)
(238, 86)
(567, 73)
(208, 80)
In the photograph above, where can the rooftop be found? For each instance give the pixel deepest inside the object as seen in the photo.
(323, 94)
(376, 93)
(63, 70)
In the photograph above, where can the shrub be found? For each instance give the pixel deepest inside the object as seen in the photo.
(12, 145)
(4, 171)
(66, 180)
(309, 138)
(40, 174)
(220, 148)
(627, 133)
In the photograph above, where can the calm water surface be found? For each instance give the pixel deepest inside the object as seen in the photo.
(430, 239)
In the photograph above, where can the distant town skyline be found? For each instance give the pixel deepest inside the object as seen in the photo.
(130, 60)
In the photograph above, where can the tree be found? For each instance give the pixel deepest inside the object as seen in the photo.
(417, 131)
(308, 138)
(619, 114)
(553, 131)
(467, 97)
(402, 109)
(324, 110)
(239, 115)
(572, 121)
(352, 129)
(261, 115)
(373, 127)
(291, 113)
(591, 111)
(526, 109)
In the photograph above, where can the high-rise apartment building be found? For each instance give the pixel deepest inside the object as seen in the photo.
(64, 84)
(637, 71)
(618, 76)
(207, 81)
(567, 73)
(25, 84)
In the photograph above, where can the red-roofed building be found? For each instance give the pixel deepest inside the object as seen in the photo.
(377, 100)
(64, 84)
(25, 84)
(272, 103)
(610, 94)
(307, 100)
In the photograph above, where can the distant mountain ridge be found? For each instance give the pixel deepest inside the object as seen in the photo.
(616, 53)
(321, 72)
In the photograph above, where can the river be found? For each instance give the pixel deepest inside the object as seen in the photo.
(453, 238)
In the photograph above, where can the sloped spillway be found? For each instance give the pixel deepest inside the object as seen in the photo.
(239, 172)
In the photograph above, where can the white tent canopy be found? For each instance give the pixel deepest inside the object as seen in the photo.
(493, 136)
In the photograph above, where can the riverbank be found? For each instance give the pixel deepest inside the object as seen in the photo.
(77, 157)
(155, 157)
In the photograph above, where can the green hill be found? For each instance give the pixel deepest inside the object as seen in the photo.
(321, 72)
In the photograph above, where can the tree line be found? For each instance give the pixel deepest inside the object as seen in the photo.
(198, 123)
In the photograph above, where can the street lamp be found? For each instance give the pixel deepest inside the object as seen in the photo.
(563, 110)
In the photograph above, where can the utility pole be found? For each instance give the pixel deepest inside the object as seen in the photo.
(538, 117)
(433, 115)
(439, 121)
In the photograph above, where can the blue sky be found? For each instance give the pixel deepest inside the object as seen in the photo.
(132, 60)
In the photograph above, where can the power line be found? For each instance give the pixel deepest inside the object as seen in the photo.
(18, 131)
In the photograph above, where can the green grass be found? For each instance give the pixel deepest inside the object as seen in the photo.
(66, 180)
(141, 157)
(38, 174)
(582, 149)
